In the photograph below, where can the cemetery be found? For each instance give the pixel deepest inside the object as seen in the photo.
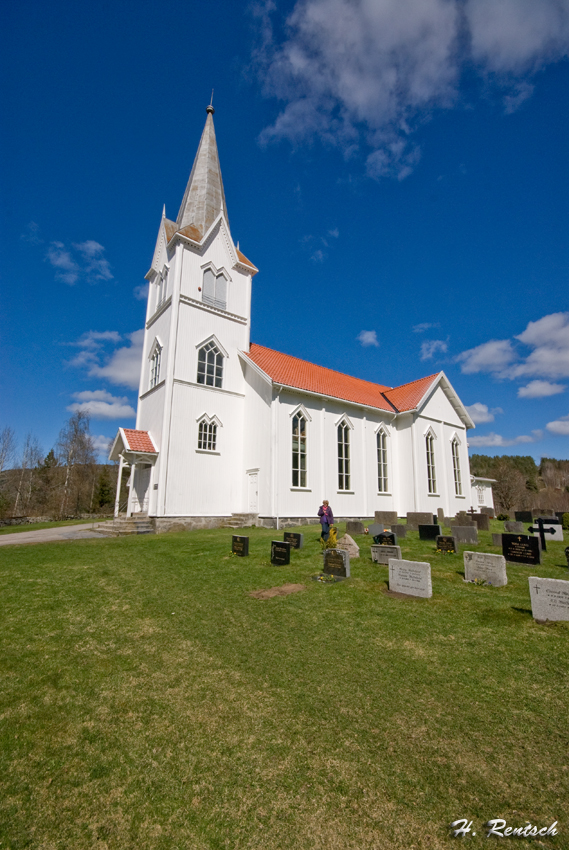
(196, 676)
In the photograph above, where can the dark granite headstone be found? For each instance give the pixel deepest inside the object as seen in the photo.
(523, 516)
(336, 563)
(400, 530)
(560, 515)
(296, 540)
(240, 545)
(386, 517)
(280, 553)
(354, 527)
(514, 527)
(429, 532)
(521, 549)
(445, 543)
(386, 538)
(567, 555)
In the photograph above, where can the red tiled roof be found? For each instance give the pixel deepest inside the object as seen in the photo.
(138, 441)
(243, 259)
(293, 372)
(408, 396)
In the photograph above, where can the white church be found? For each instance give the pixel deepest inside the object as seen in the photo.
(227, 428)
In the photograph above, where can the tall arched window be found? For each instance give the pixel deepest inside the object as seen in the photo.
(382, 477)
(162, 286)
(431, 474)
(210, 365)
(343, 456)
(456, 467)
(214, 291)
(155, 365)
(298, 451)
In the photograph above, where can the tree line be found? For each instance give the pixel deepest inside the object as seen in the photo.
(65, 482)
(522, 483)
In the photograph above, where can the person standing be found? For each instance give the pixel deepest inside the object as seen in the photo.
(326, 518)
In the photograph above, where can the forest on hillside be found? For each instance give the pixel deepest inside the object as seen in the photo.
(523, 484)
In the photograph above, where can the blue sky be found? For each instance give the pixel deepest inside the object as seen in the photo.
(397, 169)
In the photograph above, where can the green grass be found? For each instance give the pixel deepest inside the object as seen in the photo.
(148, 702)
(36, 526)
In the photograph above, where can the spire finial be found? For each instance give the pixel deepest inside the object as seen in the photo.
(210, 109)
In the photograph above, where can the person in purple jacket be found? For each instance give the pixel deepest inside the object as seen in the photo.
(326, 518)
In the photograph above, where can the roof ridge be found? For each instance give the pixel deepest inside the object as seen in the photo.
(384, 387)
(416, 381)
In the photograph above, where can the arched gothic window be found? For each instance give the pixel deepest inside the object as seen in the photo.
(210, 365)
(162, 286)
(214, 290)
(456, 467)
(207, 436)
(343, 456)
(431, 473)
(298, 451)
(382, 476)
(155, 365)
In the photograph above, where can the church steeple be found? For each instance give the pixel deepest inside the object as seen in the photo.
(204, 197)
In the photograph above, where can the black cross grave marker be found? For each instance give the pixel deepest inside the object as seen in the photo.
(542, 531)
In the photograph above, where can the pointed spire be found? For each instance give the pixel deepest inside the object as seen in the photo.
(204, 197)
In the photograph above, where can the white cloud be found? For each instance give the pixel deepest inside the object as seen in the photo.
(430, 347)
(365, 74)
(540, 389)
(84, 261)
(549, 338)
(102, 405)
(123, 366)
(559, 426)
(141, 292)
(425, 326)
(318, 256)
(334, 233)
(496, 440)
(480, 413)
(367, 338)
(493, 356)
(119, 366)
(102, 445)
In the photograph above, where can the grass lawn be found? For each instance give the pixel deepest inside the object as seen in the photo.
(35, 526)
(149, 702)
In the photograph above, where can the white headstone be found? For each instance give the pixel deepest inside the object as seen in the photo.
(382, 554)
(489, 568)
(349, 545)
(549, 598)
(410, 577)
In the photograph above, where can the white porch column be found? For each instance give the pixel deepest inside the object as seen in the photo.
(130, 486)
(118, 494)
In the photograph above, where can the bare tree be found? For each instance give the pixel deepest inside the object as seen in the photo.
(31, 457)
(510, 487)
(7, 448)
(77, 454)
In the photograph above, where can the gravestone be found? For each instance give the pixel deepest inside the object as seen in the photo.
(489, 568)
(349, 545)
(549, 598)
(412, 578)
(296, 540)
(489, 511)
(240, 545)
(521, 549)
(414, 519)
(382, 554)
(543, 512)
(448, 521)
(446, 543)
(546, 531)
(280, 553)
(386, 538)
(497, 540)
(567, 555)
(465, 533)
(386, 517)
(429, 532)
(440, 516)
(399, 530)
(523, 516)
(482, 521)
(514, 527)
(336, 563)
(553, 522)
(559, 515)
(354, 527)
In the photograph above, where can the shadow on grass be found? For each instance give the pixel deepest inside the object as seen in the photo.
(522, 610)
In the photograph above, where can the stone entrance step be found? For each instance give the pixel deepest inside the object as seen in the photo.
(127, 525)
(242, 520)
